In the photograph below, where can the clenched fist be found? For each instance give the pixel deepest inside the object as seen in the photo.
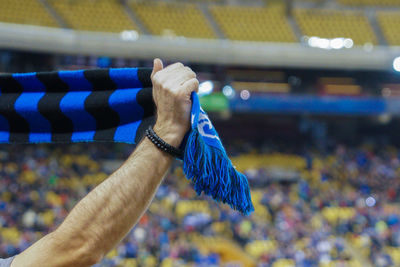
(172, 87)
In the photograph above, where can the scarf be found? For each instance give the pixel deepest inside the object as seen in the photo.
(113, 105)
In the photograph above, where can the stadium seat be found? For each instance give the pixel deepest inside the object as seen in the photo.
(258, 247)
(334, 24)
(334, 214)
(100, 15)
(284, 263)
(262, 87)
(10, 234)
(254, 23)
(394, 252)
(185, 207)
(173, 19)
(340, 86)
(26, 12)
(309, 1)
(259, 209)
(370, 2)
(227, 250)
(254, 161)
(389, 23)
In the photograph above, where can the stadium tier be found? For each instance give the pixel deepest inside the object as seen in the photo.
(389, 23)
(26, 12)
(333, 24)
(254, 23)
(270, 22)
(99, 15)
(323, 219)
(176, 19)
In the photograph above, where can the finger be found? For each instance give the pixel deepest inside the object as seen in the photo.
(183, 75)
(157, 66)
(190, 86)
(165, 73)
(172, 68)
(177, 77)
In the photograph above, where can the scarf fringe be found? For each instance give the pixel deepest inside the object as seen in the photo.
(212, 172)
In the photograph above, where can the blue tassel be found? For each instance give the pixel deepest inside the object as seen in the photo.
(212, 172)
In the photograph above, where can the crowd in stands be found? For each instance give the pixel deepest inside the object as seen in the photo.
(337, 209)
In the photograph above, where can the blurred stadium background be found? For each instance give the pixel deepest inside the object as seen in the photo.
(305, 95)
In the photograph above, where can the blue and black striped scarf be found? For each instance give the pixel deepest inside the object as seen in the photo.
(112, 105)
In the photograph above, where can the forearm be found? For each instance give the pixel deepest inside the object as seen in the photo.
(100, 220)
(104, 217)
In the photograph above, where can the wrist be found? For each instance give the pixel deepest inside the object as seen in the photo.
(170, 134)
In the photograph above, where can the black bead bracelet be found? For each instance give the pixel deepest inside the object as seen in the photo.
(162, 145)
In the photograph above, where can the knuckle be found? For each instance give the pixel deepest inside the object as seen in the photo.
(164, 87)
(164, 81)
(196, 84)
(190, 71)
(178, 64)
(168, 86)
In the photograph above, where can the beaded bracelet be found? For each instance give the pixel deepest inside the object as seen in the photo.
(162, 145)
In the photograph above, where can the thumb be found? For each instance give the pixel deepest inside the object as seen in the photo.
(157, 66)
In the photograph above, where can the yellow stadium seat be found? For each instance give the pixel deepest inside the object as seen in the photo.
(113, 253)
(254, 161)
(370, 2)
(259, 247)
(185, 207)
(227, 250)
(128, 263)
(26, 12)
(394, 253)
(254, 23)
(99, 15)
(389, 23)
(284, 263)
(352, 263)
(11, 234)
(173, 19)
(334, 24)
(334, 214)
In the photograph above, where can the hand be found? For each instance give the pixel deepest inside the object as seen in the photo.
(172, 87)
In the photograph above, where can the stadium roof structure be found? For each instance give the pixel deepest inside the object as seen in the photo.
(131, 45)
